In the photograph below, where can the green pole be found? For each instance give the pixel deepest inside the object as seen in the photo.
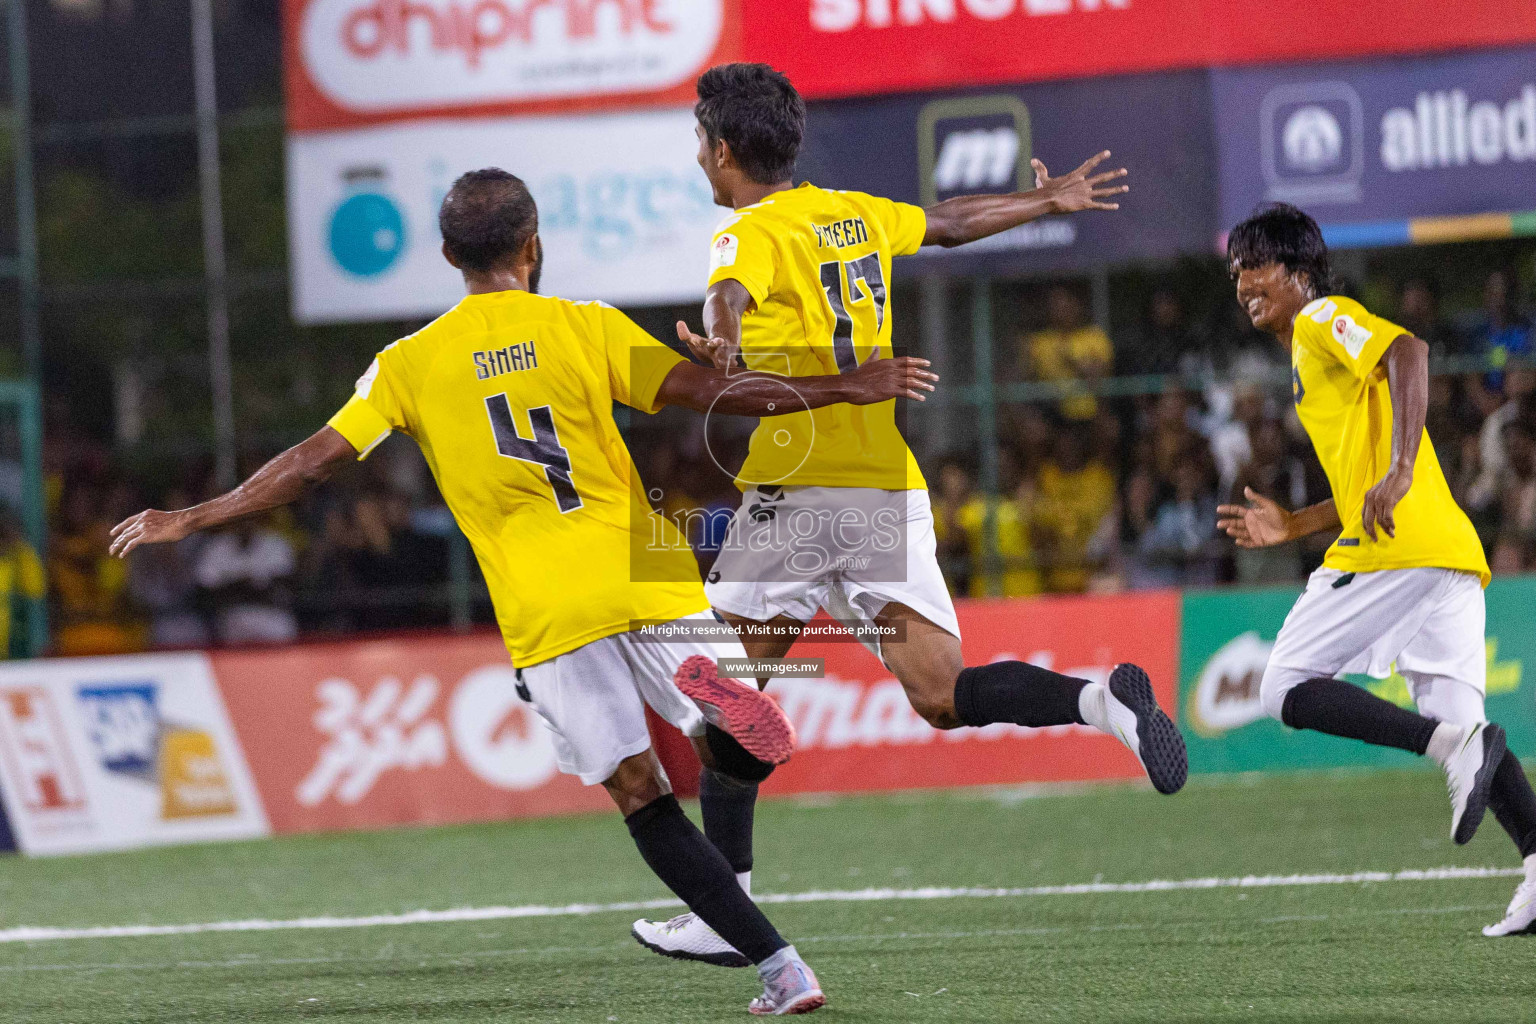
(28, 403)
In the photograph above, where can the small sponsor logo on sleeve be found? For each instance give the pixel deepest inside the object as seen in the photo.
(1350, 334)
(723, 253)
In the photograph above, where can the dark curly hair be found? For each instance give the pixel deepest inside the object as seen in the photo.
(1281, 233)
(486, 219)
(757, 111)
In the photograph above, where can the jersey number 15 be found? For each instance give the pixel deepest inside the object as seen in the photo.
(544, 450)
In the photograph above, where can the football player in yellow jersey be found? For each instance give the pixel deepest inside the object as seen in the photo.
(510, 396)
(834, 512)
(1404, 582)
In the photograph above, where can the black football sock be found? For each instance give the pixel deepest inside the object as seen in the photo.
(1017, 692)
(728, 805)
(699, 875)
(1344, 709)
(1514, 803)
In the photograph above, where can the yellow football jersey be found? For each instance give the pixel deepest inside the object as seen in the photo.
(1339, 384)
(817, 264)
(510, 396)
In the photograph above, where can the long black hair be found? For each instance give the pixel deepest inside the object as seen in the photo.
(1282, 233)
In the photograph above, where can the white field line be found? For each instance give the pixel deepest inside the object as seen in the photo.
(44, 934)
(466, 957)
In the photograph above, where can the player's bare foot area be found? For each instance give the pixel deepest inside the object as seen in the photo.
(753, 718)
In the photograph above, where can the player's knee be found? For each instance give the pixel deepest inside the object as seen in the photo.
(637, 781)
(732, 759)
(1276, 683)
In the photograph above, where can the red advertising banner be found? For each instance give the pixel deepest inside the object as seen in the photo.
(836, 48)
(857, 731)
(350, 63)
(376, 733)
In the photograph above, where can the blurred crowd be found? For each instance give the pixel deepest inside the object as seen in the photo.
(1092, 493)
(371, 553)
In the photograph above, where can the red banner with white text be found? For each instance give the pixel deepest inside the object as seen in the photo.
(374, 733)
(350, 63)
(857, 730)
(854, 47)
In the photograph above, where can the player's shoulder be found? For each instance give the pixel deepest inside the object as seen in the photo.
(1320, 316)
(1341, 320)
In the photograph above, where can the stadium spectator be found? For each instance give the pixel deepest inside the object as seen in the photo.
(245, 573)
(1502, 334)
(1180, 549)
(1075, 496)
(953, 491)
(1519, 387)
(395, 566)
(1167, 342)
(22, 585)
(1069, 349)
(1232, 441)
(1418, 312)
(1275, 471)
(1515, 549)
(161, 584)
(89, 587)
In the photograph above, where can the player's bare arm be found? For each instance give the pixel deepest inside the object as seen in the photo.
(283, 479)
(1407, 361)
(968, 218)
(707, 388)
(1263, 522)
(725, 304)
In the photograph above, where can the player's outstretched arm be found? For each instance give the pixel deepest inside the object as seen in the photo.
(743, 393)
(1407, 362)
(967, 218)
(277, 483)
(1262, 522)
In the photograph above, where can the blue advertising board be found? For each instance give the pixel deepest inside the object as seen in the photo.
(929, 147)
(1386, 151)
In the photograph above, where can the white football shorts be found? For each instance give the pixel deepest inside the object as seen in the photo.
(593, 699)
(1428, 622)
(851, 550)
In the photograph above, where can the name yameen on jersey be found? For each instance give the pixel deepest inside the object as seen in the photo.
(498, 361)
(839, 233)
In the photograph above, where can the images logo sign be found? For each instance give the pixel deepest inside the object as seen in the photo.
(390, 55)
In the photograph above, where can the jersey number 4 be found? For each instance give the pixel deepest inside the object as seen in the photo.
(544, 450)
(865, 281)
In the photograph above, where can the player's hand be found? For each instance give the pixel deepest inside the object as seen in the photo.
(1258, 524)
(880, 380)
(714, 352)
(148, 527)
(1381, 500)
(1081, 189)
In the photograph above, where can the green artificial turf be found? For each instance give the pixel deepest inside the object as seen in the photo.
(1399, 950)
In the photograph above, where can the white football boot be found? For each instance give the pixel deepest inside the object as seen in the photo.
(789, 986)
(1473, 756)
(686, 937)
(1520, 918)
(1127, 709)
